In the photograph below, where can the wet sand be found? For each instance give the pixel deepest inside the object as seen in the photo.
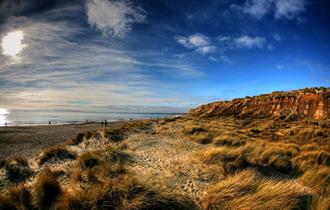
(29, 140)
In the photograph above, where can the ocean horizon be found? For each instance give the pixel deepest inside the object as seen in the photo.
(20, 118)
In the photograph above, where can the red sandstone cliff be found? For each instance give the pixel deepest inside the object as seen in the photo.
(311, 103)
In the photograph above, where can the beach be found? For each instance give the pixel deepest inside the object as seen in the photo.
(28, 141)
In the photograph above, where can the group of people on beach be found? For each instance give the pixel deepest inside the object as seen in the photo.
(105, 123)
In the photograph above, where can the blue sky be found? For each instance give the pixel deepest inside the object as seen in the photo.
(163, 55)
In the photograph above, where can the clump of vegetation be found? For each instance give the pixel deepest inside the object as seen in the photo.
(310, 159)
(321, 203)
(115, 135)
(198, 134)
(317, 178)
(17, 169)
(58, 152)
(127, 193)
(79, 138)
(135, 126)
(18, 197)
(230, 141)
(249, 190)
(47, 190)
(229, 160)
(276, 156)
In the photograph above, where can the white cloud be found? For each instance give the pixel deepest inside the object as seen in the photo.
(289, 9)
(207, 50)
(224, 38)
(223, 58)
(198, 42)
(277, 37)
(183, 41)
(250, 42)
(281, 9)
(244, 41)
(257, 8)
(114, 18)
(57, 70)
(193, 41)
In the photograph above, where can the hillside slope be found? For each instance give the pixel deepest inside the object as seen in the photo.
(310, 103)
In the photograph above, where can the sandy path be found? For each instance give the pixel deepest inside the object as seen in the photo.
(170, 163)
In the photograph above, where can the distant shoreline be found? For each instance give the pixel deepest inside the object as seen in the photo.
(79, 122)
(27, 141)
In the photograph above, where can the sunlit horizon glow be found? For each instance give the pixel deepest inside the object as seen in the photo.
(12, 43)
(3, 116)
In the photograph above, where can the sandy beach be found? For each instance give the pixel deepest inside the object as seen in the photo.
(29, 140)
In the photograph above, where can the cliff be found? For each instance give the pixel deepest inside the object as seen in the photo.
(310, 103)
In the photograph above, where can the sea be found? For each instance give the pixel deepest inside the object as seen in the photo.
(8, 118)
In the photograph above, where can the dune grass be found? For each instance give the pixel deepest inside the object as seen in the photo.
(198, 134)
(101, 182)
(57, 153)
(249, 190)
(17, 169)
(263, 165)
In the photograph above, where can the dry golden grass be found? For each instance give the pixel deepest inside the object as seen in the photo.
(17, 169)
(322, 203)
(248, 190)
(229, 140)
(198, 134)
(310, 159)
(58, 152)
(18, 197)
(230, 160)
(101, 182)
(115, 135)
(263, 164)
(317, 178)
(47, 190)
(79, 138)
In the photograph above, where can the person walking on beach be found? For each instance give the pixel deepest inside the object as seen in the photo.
(105, 122)
(102, 123)
(49, 123)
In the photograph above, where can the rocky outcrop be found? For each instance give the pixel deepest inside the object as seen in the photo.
(310, 103)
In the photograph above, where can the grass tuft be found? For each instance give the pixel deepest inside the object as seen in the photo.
(47, 190)
(17, 169)
(248, 190)
(59, 153)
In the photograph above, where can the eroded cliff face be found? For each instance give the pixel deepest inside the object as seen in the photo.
(310, 103)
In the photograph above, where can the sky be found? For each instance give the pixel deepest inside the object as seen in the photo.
(157, 55)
